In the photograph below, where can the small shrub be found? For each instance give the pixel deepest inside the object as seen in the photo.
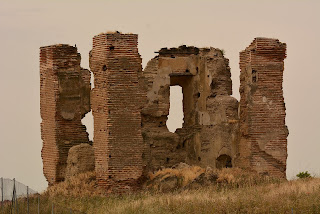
(305, 174)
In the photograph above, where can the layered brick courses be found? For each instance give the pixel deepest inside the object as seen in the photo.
(116, 103)
(64, 100)
(263, 133)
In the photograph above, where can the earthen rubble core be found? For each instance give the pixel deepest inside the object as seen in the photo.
(210, 129)
(80, 160)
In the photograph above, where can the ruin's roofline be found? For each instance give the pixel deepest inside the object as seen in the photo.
(116, 33)
(184, 50)
(57, 46)
(267, 47)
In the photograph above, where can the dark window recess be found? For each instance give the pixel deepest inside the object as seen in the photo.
(213, 85)
(199, 159)
(254, 76)
(104, 67)
(187, 70)
(198, 94)
(109, 156)
(168, 159)
(172, 56)
(197, 69)
(183, 144)
(111, 48)
(109, 176)
(224, 161)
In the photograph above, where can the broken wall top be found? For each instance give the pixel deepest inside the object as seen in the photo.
(61, 57)
(184, 50)
(273, 49)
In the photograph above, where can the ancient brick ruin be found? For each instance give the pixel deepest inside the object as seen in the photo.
(64, 100)
(131, 106)
(263, 133)
(116, 106)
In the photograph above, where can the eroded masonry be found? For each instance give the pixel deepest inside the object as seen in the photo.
(263, 133)
(131, 106)
(64, 100)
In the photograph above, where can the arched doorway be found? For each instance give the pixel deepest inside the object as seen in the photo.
(224, 161)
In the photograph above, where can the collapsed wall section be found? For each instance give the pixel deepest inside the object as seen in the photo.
(116, 104)
(263, 142)
(64, 100)
(210, 127)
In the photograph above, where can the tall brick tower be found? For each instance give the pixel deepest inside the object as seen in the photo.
(116, 104)
(64, 100)
(263, 133)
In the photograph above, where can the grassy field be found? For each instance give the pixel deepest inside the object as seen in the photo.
(233, 193)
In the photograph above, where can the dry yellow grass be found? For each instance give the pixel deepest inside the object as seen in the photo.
(188, 174)
(82, 185)
(236, 191)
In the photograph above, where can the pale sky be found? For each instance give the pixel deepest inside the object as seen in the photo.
(229, 25)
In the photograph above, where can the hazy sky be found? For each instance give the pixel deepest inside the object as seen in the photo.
(229, 25)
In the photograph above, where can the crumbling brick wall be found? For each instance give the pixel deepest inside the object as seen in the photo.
(64, 100)
(131, 108)
(263, 143)
(210, 127)
(116, 104)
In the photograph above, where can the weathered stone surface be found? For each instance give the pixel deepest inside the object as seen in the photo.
(210, 127)
(263, 143)
(80, 160)
(64, 100)
(131, 108)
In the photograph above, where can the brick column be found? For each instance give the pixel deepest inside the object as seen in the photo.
(263, 133)
(116, 104)
(64, 100)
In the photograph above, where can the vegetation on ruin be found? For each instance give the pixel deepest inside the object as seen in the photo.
(305, 174)
(235, 191)
(222, 52)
